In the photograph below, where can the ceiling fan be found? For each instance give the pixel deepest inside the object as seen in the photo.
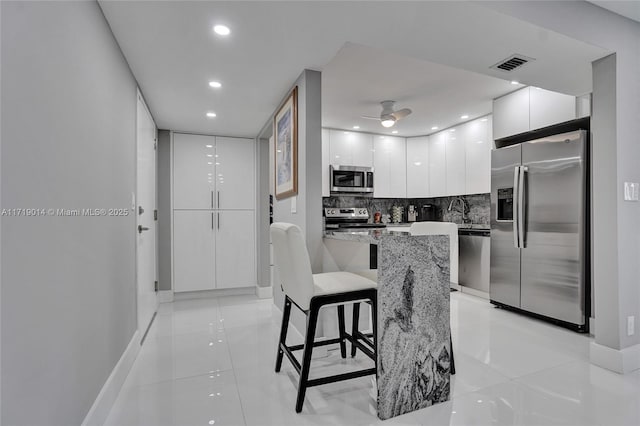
(388, 117)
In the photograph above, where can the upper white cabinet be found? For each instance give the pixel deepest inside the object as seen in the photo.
(418, 167)
(350, 148)
(547, 108)
(438, 165)
(511, 114)
(478, 143)
(234, 173)
(390, 164)
(326, 189)
(530, 108)
(213, 172)
(456, 161)
(193, 169)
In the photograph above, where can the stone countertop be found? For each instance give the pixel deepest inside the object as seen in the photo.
(373, 236)
(481, 226)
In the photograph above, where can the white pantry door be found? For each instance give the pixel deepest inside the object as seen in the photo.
(145, 220)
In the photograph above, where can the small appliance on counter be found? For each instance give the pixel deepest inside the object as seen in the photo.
(428, 212)
(412, 214)
(348, 218)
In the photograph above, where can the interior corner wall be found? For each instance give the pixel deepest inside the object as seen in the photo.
(263, 180)
(309, 199)
(164, 210)
(68, 142)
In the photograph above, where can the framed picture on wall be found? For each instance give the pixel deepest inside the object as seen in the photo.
(285, 129)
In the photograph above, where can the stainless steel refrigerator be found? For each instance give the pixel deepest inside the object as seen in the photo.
(539, 228)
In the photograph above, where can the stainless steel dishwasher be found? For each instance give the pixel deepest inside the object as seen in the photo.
(474, 260)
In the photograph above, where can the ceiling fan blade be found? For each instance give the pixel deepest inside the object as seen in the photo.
(368, 117)
(402, 113)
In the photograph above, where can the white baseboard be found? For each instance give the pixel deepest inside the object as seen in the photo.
(621, 361)
(207, 294)
(165, 296)
(474, 292)
(264, 292)
(101, 407)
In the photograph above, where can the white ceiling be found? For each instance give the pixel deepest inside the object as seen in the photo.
(629, 8)
(358, 78)
(173, 53)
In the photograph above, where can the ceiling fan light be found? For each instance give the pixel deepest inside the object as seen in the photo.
(388, 122)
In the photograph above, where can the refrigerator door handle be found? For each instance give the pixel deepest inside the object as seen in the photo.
(521, 205)
(516, 215)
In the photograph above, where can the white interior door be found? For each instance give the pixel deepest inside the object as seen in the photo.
(145, 221)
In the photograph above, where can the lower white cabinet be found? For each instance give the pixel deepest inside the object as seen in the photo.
(213, 249)
(194, 247)
(235, 249)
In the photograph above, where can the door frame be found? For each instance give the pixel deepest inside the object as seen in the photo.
(143, 328)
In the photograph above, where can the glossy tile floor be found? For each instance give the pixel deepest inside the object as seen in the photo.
(210, 362)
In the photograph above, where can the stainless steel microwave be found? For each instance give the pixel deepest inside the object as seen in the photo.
(351, 180)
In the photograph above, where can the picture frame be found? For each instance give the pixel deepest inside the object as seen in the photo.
(285, 132)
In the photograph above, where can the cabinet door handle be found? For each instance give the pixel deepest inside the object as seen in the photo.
(218, 220)
(211, 199)
(211, 220)
(218, 199)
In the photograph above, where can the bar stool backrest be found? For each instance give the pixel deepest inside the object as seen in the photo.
(292, 262)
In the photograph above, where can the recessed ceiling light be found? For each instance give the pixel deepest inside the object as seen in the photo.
(434, 128)
(222, 30)
(452, 130)
(484, 119)
(394, 132)
(464, 117)
(215, 84)
(209, 146)
(356, 127)
(515, 82)
(211, 114)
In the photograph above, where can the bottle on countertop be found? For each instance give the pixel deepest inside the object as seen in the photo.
(412, 214)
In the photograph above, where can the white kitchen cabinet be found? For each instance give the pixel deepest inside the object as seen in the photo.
(418, 167)
(511, 114)
(235, 249)
(214, 242)
(530, 108)
(350, 148)
(193, 250)
(547, 108)
(234, 173)
(193, 169)
(438, 165)
(390, 163)
(478, 144)
(326, 155)
(456, 161)
(213, 249)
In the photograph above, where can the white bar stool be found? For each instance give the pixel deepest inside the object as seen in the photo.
(310, 292)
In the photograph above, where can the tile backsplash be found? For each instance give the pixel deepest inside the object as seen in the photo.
(478, 206)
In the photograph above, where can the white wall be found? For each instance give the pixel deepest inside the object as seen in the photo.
(164, 210)
(309, 198)
(68, 141)
(616, 223)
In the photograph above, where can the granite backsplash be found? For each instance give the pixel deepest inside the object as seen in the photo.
(477, 210)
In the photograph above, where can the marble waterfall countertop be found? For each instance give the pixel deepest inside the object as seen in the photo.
(373, 236)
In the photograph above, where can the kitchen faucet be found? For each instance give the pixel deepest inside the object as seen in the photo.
(464, 208)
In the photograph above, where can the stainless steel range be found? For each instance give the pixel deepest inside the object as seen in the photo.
(348, 218)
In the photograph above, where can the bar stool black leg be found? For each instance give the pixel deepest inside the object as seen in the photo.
(374, 325)
(341, 330)
(312, 320)
(354, 327)
(453, 362)
(286, 312)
